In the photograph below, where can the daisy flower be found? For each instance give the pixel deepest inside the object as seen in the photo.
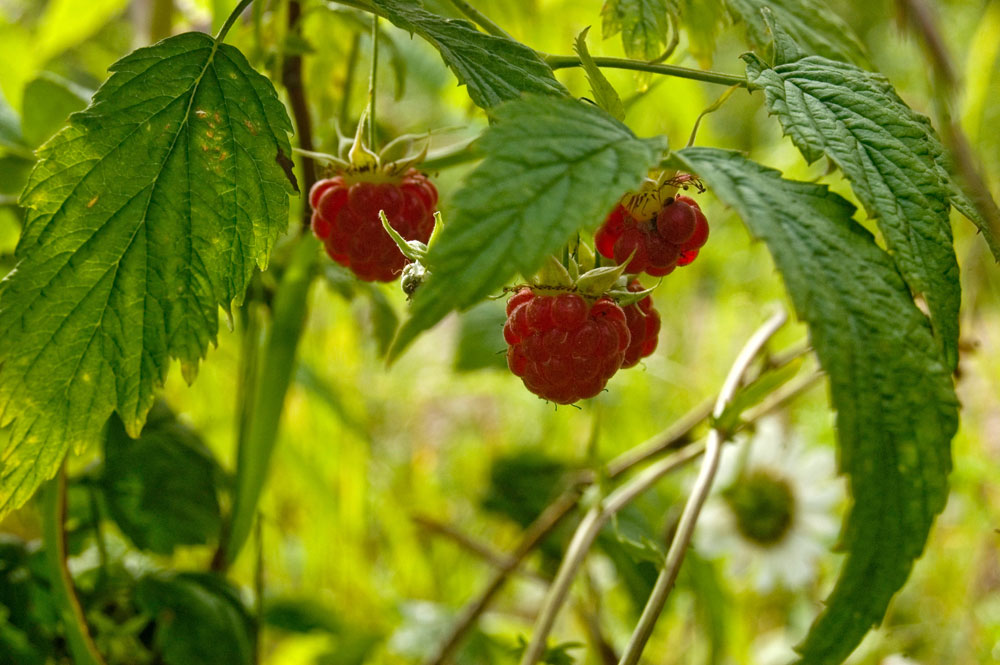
(772, 512)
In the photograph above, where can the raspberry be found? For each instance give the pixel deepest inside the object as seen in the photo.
(643, 323)
(564, 348)
(672, 238)
(345, 218)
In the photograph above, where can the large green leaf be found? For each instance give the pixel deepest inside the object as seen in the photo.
(553, 166)
(200, 619)
(644, 25)
(896, 406)
(891, 157)
(494, 69)
(161, 488)
(147, 212)
(810, 22)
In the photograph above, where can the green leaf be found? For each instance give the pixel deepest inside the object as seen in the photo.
(160, 488)
(644, 25)
(301, 615)
(147, 212)
(199, 619)
(48, 101)
(889, 154)
(480, 338)
(552, 167)
(494, 69)
(810, 23)
(605, 94)
(896, 406)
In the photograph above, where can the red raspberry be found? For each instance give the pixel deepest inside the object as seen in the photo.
(657, 246)
(564, 348)
(345, 217)
(643, 325)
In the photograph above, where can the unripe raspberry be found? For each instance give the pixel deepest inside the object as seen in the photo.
(345, 217)
(563, 347)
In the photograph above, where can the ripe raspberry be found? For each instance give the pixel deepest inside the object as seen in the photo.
(345, 218)
(643, 323)
(564, 348)
(656, 246)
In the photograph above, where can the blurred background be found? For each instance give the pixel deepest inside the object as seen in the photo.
(392, 488)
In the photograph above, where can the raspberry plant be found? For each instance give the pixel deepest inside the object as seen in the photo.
(168, 193)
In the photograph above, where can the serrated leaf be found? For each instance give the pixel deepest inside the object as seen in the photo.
(200, 619)
(161, 488)
(605, 94)
(644, 25)
(493, 69)
(552, 167)
(48, 101)
(146, 213)
(810, 23)
(895, 402)
(888, 152)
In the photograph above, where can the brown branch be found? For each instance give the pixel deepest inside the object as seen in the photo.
(291, 78)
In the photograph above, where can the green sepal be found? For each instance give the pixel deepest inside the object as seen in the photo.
(414, 250)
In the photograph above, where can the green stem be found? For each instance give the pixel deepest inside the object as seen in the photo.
(224, 30)
(480, 19)
(81, 646)
(275, 375)
(564, 61)
(373, 83)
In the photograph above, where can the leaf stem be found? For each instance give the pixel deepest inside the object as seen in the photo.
(373, 83)
(703, 484)
(480, 19)
(235, 14)
(81, 645)
(564, 61)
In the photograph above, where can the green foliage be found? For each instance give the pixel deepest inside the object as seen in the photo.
(604, 93)
(890, 155)
(896, 407)
(161, 488)
(810, 22)
(147, 212)
(480, 338)
(644, 25)
(49, 100)
(493, 69)
(552, 167)
(200, 619)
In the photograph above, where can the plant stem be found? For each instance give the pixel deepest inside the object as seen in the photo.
(352, 62)
(584, 537)
(268, 398)
(291, 78)
(564, 61)
(689, 517)
(480, 19)
(224, 30)
(81, 646)
(373, 84)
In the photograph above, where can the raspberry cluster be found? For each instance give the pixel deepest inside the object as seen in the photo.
(643, 323)
(345, 217)
(672, 238)
(564, 347)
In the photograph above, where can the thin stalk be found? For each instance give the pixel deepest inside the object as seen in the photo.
(703, 485)
(81, 646)
(352, 62)
(584, 537)
(373, 83)
(224, 30)
(480, 19)
(564, 61)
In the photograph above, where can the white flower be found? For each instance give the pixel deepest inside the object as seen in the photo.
(772, 509)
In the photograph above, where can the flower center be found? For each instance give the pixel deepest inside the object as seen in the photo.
(764, 505)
